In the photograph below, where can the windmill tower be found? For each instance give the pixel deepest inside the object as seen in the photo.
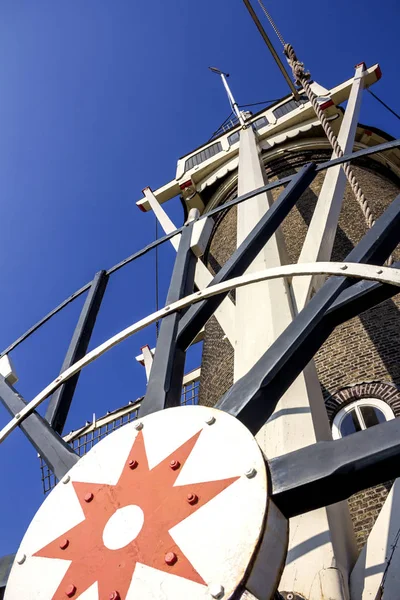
(286, 272)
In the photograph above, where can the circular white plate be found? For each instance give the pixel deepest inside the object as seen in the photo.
(172, 511)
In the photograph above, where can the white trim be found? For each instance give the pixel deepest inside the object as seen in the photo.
(358, 271)
(375, 402)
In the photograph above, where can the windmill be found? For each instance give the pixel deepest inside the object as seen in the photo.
(195, 501)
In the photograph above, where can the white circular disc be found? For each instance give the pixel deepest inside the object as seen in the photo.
(164, 512)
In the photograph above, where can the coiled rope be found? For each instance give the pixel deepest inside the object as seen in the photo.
(302, 77)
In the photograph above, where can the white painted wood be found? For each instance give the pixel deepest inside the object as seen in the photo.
(322, 229)
(219, 539)
(225, 313)
(148, 357)
(360, 271)
(263, 310)
(7, 369)
(376, 574)
(200, 236)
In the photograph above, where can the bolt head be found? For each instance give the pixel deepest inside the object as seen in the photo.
(343, 267)
(210, 420)
(170, 558)
(64, 544)
(192, 498)
(70, 591)
(133, 464)
(115, 596)
(138, 425)
(17, 416)
(379, 271)
(21, 558)
(250, 473)
(66, 479)
(289, 596)
(216, 590)
(88, 497)
(174, 464)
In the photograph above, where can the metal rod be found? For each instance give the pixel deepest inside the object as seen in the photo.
(164, 387)
(271, 49)
(56, 453)
(254, 397)
(60, 402)
(285, 180)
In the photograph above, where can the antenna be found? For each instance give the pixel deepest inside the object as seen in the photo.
(271, 48)
(232, 101)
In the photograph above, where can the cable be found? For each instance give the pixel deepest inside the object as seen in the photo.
(257, 103)
(272, 23)
(384, 104)
(156, 280)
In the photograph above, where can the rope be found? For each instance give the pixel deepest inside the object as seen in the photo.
(302, 77)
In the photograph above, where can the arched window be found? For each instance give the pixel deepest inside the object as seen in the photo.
(359, 415)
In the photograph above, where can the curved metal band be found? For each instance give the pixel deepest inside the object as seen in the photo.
(356, 270)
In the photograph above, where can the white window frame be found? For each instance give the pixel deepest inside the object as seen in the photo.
(356, 404)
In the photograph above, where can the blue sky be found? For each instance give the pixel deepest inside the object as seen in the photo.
(97, 100)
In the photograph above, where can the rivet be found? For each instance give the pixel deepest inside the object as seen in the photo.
(64, 544)
(138, 425)
(133, 464)
(216, 590)
(115, 596)
(250, 473)
(174, 464)
(66, 479)
(210, 420)
(192, 498)
(88, 497)
(167, 308)
(379, 271)
(170, 558)
(17, 416)
(70, 591)
(343, 267)
(21, 558)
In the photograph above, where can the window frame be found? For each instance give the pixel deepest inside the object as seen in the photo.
(355, 405)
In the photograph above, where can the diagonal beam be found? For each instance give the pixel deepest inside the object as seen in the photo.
(225, 313)
(165, 382)
(326, 472)
(56, 453)
(197, 316)
(253, 398)
(321, 232)
(60, 402)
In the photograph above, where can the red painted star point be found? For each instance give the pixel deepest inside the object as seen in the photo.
(164, 505)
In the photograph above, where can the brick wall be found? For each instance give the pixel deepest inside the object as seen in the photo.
(365, 349)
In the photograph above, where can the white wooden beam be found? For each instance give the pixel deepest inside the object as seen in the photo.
(322, 230)
(225, 313)
(322, 537)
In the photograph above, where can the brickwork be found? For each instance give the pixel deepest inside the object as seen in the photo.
(365, 349)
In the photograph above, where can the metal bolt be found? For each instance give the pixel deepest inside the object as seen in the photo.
(192, 498)
(88, 497)
(167, 308)
(343, 267)
(174, 464)
(17, 416)
(21, 558)
(138, 425)
(66, 479)
(115, 596)
(133, 464)
(216, 590)
(210, 420)
(64, 544)
(289, 596)
(199, 293)
(170, 558)
(250, 473)
(379, 271)
(70, 591)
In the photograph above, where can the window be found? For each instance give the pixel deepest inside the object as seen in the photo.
(286, 108)
(233, 138)
(360, 415)
(261, 122)
(200, 157)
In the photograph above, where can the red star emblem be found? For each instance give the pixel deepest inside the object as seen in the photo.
(162, 505)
